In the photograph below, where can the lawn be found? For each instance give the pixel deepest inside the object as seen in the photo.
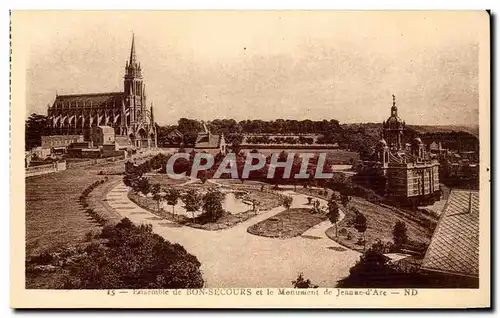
(164, 179)
(286, 224)
(380, 221)
(380, 218)
(54, 217)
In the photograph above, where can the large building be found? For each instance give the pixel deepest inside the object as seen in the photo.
(126, 112)
(411, 174)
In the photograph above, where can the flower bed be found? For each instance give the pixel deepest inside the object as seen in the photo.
(266, 201)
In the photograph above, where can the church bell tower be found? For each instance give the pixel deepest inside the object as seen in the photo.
(134, 88)
(137, 123)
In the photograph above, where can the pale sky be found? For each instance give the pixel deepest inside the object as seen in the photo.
(266, 65)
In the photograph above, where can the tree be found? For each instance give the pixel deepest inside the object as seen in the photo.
(255, 203)
(372, 270)
(192, 201)
(399, 234)
(185, 125)
(360, 225)
(301, 282)
(287, 202)
(333, 213)
(35, 126)
(334, 197)
(212, 204)
(131, 180)
(142, 185)
(159, 161)
(189, 128)
(172, 197)
(155, 190)
(189, 139)
(344, 199)
(236, 139)
(316, 206)
(203, 176)
(337, 182)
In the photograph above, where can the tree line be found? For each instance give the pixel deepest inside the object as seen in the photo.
(355, 137)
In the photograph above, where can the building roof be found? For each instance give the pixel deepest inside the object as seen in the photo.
(96, 99)
(207, 141)
(401, 157)
(175, 133)
(454, 248)
(394, 119)
(404, 156)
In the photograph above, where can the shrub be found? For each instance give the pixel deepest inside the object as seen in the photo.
(89, 236)
(372, 270)
(430, 225)
(381, 247)
(287, 202)
(399, 234)
(134, 258)
(301, 282)
(415, 246)
(44, 258)
(344, 199)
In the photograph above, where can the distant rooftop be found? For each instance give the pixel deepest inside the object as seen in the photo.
(207, 141)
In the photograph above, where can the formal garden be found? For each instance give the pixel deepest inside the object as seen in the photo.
(199, 204)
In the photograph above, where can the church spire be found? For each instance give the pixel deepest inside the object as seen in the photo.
(132, 67)
(133, 57)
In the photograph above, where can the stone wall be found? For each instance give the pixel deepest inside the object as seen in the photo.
(91, 162)
(45, 169)
(60, 140)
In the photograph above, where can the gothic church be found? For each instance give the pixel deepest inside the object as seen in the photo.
(126, 112)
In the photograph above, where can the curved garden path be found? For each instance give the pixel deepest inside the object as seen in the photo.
(235, 258)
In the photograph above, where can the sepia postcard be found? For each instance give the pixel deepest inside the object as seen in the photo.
(250, 159)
